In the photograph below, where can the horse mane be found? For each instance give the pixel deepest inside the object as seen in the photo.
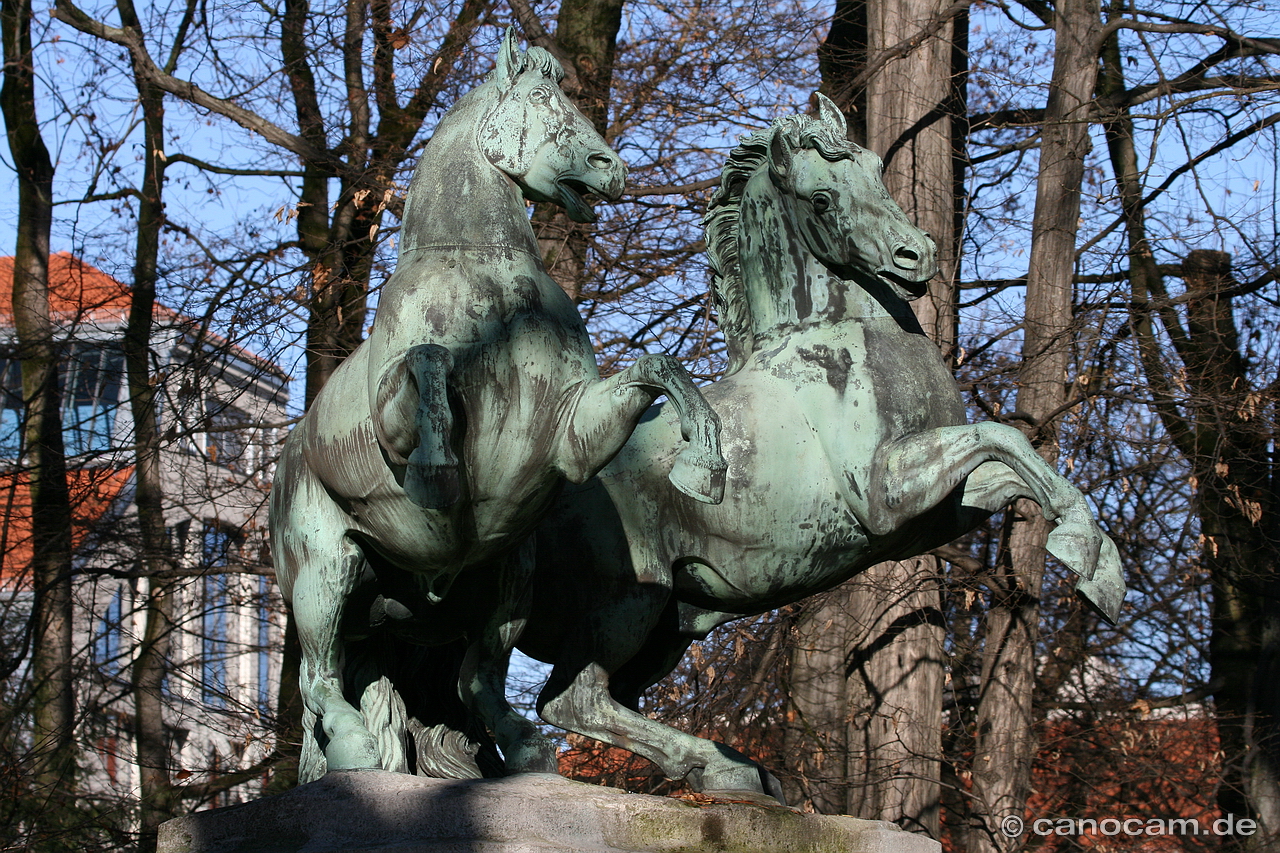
(720, 223)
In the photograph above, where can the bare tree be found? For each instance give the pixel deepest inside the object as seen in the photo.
(43, 458)
(867, 670)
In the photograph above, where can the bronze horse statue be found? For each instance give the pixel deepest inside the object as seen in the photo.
(430, 455)
(846, 440)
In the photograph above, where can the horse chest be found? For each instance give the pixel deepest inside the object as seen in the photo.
(873, 381)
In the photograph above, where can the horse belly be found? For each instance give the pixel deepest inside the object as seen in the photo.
(516, 395)
(783, 530)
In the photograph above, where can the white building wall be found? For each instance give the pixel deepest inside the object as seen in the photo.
(204, 491)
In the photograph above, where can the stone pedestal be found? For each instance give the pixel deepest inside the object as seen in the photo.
(368, 811)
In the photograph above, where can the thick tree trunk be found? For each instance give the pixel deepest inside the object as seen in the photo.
(894, 672)
(1005, 740)
(874, 648)
(841, 57)
(43, 452)
(1214, 423)
(1239, 522)
(158, 801)
(586, 36)
(820, 735)
(911, 113)
(1214, 420)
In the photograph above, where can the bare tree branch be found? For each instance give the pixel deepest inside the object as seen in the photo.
(67, 12)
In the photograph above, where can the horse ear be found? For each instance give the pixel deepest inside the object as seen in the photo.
(780, 154)
(508, 57)
(830, 114)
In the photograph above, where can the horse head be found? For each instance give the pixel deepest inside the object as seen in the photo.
(534, 134)
(847, 218)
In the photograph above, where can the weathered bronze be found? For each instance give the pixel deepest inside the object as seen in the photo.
(437, 446)
(846, 440)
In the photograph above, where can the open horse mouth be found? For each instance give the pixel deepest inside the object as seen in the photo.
(908, 288)
(571, 194)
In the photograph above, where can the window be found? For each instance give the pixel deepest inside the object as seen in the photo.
(218, 544)
(229, 440)
(10, 408)
(106, 645)
(90, 375)
(91, 397)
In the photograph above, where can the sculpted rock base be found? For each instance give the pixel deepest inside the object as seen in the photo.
(372, 810)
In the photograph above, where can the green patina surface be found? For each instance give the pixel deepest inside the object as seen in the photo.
(846, 440)
(402, 498)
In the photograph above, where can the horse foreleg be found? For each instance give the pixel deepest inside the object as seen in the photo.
(918, 472)
(993, 486)
(483, 679)
(414, 424)
(606, 412)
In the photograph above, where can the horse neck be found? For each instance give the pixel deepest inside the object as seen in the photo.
(787, 286)
(457, 198)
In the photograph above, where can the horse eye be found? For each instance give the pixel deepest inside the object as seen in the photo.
(540, 95)
(820, 202)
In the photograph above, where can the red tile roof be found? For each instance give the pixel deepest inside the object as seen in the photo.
(83, 294)
(77, 292)
(93, 491)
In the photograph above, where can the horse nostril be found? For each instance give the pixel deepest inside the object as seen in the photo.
(906, 258)
(600, 161)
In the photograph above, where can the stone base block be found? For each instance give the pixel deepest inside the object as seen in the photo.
(370, 810)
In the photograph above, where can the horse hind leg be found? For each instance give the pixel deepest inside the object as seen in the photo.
(657, 658)
(633, 634)
(414, 424)
(483, 678)
(578, 698)
(319, 593)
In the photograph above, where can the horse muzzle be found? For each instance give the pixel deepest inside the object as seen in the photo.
(913, 264)
(604, 175)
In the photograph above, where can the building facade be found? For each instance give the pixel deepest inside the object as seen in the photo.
(222, 413)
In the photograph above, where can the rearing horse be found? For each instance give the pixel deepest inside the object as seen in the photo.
(846, 440)
(437, 445)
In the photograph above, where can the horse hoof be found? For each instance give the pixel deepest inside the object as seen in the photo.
(740, 778)
(730, 771)
(772, 787)
(432, 486)
(698, 477)
(1104, 592)
(352, 751)
(743, 782)
(1077, 547)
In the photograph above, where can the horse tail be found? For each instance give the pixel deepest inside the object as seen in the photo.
(408, 696)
